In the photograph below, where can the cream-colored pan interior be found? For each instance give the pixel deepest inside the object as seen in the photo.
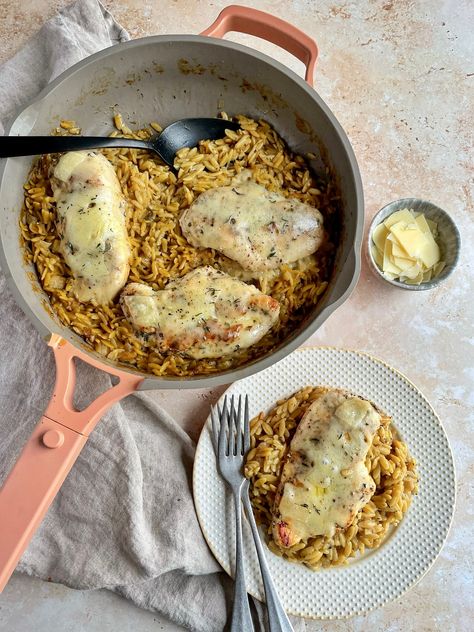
(166, 78)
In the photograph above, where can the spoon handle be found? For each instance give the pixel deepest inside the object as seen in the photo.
(11, 146)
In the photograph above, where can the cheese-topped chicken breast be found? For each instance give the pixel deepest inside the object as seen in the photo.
(204, 314)
(258, 228)
(91, 225)
(324, 482)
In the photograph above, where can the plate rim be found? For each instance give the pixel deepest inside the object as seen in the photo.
(452, 507)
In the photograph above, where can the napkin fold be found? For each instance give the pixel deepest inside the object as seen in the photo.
(79, 30)
(124, 518)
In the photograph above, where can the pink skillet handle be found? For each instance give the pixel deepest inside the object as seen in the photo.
(50, 453)
(270, 28)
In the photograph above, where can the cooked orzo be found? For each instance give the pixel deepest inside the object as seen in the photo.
(388, 462)
(155, 198)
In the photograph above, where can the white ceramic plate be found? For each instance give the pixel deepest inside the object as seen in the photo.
(408, 552)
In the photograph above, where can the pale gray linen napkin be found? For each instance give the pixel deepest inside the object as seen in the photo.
(124, 518)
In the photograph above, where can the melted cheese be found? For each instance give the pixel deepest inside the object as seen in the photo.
(258, 228)
(205, 314)
(324, 481)
(94, 240)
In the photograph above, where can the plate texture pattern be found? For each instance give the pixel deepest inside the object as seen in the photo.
(410, 549)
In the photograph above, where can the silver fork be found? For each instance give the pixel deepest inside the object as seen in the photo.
(277, 618)
(230, 459)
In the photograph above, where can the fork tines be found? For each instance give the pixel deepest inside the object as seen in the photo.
(228, 435)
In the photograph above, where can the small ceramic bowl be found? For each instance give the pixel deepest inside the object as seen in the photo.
(448, 239)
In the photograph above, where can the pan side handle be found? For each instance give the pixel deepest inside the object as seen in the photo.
(270, 28)
(49, 454)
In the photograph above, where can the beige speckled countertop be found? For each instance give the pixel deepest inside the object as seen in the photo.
(397, 75)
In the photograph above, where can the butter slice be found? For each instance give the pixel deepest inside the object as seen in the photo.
(377, 255)
(402, 262)
(433, 227)
(388, 265)
(423, 224)
(404, 247)
(429, 254)
(399, 216)
(415, 280)
(410, 237)
(379, 236)
(413, 272)
(438, 268)
(397, 250)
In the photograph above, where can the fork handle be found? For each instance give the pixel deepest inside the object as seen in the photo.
(277, 618)
(241, 617)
